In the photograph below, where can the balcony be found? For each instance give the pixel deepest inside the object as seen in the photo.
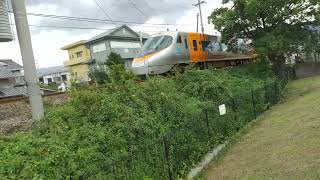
(75, 61)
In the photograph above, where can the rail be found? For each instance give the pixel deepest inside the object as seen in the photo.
(5, 100)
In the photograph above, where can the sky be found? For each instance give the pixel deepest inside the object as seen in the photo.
(48, 41)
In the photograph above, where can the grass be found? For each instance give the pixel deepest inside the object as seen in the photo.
(283, 144)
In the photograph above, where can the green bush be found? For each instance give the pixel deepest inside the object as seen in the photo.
(119, 131)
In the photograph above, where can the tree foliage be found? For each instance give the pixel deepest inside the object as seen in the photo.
(112, 71)
(114, 59)
(276, 27)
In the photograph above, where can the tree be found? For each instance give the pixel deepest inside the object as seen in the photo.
(99, 74)
(276, 27)
(114, 59)
(112, 71)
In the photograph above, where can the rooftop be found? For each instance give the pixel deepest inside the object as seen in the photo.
(10, 64)
(13, 92)
(70, 46)
(5, 73)
(110, 32)
(52, 70)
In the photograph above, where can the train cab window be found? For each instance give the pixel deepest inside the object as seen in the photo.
(195, 45)
(155, 44)
(179, 39)
(186, 43)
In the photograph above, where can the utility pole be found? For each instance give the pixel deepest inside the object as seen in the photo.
(23, 31)
(197, 22)
(199, 4)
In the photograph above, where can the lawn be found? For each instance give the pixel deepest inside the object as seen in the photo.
(283, 144)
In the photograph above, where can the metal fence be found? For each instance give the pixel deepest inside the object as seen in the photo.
(170, 156)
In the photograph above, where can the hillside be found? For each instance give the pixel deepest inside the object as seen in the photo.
(284, 144)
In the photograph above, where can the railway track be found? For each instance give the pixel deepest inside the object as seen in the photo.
(25, 98)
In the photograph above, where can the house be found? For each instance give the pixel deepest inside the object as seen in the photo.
(122, 40)
(11, 80)
(57, 74)
(14, 68)
(79, 57)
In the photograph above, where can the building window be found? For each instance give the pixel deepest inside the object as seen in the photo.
(49, 80)
(64, 77)
(125, 45)
(79, 54)
(41, 79)
(99, 48)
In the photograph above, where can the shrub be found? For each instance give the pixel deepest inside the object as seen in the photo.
(119, 130)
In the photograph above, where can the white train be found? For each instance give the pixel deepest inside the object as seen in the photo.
(163, 52)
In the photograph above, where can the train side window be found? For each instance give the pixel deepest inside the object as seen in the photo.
(179, 39)
(195, 45)
(205, 45)
(186, 43)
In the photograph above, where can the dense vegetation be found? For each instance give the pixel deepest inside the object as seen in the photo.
(104, 132)
(276, 28)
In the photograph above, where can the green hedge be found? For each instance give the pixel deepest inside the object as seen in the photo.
(137, 130)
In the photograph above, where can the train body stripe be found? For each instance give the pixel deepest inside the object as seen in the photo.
(145, 57)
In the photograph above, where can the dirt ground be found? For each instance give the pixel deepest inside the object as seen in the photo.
(16, 116)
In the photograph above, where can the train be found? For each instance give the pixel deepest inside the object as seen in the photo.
(166, 51)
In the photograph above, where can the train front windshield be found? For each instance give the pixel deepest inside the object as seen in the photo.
(155, 44)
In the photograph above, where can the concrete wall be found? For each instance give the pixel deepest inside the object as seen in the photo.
(307, 69)
(73, 56)
(80, 72)
(100, 57)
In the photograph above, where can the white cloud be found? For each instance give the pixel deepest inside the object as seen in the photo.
(47, 42)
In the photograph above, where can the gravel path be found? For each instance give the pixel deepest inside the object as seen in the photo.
(16, 116)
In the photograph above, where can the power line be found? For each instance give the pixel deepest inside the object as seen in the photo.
(69, 27)
(73, 27)
(134, 5)
(103, 11)
(96, 20)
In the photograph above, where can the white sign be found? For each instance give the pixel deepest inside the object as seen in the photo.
(222, 109)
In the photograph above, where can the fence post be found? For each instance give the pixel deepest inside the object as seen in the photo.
(253, 104)
(167, 156)
(266, 96)
(276, 92)
(234, 108)
(207, 121)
